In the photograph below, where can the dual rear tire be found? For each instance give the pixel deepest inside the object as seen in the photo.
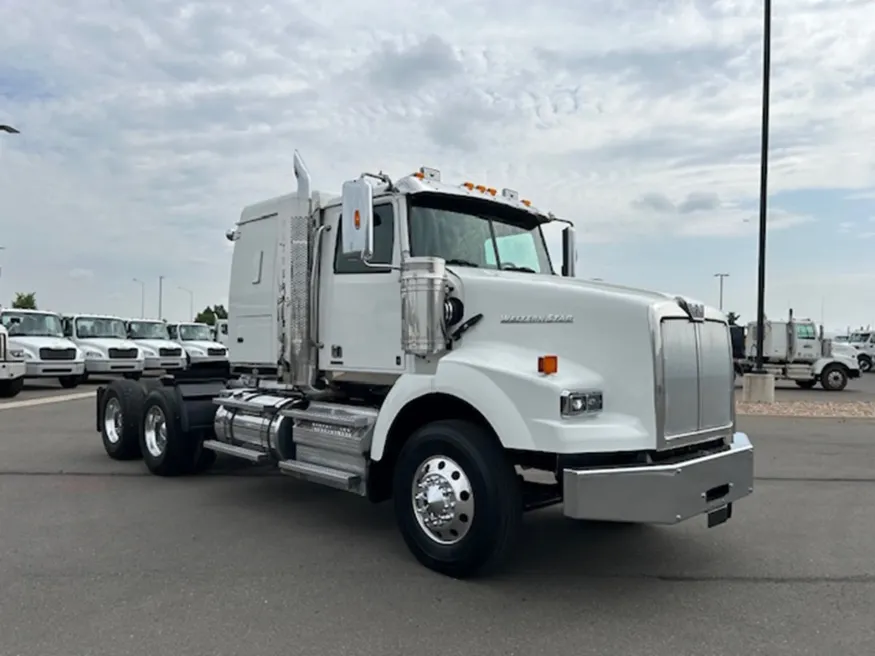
(142, 419)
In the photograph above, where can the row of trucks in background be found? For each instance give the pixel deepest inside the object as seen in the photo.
(409, 341)
(863, 341)
(796, 350)
(70, 348)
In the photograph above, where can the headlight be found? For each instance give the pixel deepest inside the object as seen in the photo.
(93, 354)
(194, 351)
(572, 404)
(148, 353)
(17, 354)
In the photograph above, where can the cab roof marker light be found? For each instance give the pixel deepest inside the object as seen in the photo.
(468, 185)
(481, 188)
(527, 203)
(429, 174)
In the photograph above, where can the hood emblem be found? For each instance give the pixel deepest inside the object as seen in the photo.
(537, 318)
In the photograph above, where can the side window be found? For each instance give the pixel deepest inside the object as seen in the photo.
(224, 329)
(384, 244)
(171, 330)
(805, 331)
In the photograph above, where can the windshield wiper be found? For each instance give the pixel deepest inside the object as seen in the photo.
(463, 263)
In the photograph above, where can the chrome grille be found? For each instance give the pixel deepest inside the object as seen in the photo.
(698, 379)
(122, 353)
(2, 346)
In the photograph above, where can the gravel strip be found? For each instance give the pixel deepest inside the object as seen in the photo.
(808, 409)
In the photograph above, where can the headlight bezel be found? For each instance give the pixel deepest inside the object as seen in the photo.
(580, 403)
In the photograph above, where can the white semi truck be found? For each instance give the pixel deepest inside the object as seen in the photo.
(200, 346)
(160, 353)
(795, 349)
(864, 342)
(11, 369)
(37, 337)
(409, 340)
(104, 341)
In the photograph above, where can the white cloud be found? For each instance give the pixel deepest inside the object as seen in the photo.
(146, 127)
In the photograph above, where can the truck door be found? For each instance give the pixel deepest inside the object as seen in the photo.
(360, 306)
(807, 346)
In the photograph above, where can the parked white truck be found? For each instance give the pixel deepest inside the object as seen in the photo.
(864, 342)
(11, 369)
(795, 349)
(197, 340)
(221, 332)
(160, 353)
(37, 337)
(104, 341)
(410, 340)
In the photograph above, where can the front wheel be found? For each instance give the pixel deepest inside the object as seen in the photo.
(865, 363)
(457, 498)
(834, 377)
(69, 382)
(11, 387)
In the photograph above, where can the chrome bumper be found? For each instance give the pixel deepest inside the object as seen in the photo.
(663, 493)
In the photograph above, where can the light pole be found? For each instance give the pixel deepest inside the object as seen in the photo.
(142, 297)
(721, 276)
(160, 295)
(764, 184)
(190, 303)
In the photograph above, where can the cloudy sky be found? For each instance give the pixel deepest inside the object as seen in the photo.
(147, 125)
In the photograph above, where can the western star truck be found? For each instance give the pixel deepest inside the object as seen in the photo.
(409, 340)
(12, 370)
(37, 337)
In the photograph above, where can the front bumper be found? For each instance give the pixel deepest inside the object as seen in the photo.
(167, 364)
(108, 366)
(207, 359)
(662, 493)
(55, 368)
(11, 370)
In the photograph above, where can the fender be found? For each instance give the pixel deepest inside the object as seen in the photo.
(502, 382)
(850, 363)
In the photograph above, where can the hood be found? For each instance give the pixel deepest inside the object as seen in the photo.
(605, 323)
(36, 343)
(104, 343)
(155, 344)
(201, 344)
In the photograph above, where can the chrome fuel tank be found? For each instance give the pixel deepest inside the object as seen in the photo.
(251, 418)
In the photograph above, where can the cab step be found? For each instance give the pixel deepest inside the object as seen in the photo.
(335, 478)
(252, 455)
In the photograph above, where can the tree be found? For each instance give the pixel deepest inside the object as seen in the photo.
(732, 318)
(24, 301)
(209, 315)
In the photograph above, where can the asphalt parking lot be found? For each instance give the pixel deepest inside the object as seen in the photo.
(98, 557)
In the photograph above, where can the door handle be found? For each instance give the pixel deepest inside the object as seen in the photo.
(239, 340)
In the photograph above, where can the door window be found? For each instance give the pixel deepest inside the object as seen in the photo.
(384, 244)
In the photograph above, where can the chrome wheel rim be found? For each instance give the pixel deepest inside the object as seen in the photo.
(155, 431)
(112, 421)
(443, 500)
(835, 378)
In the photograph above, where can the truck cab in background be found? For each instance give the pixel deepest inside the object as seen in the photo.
(795, 349)
(104, 341)
(220, 332)
(410, 340)
(201, 350)
(160, 353)
(12, 369)
(864, 342)
(37, 337)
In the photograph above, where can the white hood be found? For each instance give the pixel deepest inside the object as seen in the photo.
(155, 344)
(34, 344)
(106, 343)
(201, 344)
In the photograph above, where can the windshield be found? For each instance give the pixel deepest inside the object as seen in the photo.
(193, 331)
(31, 324)
(87, 327)
(477, 234)
(148, 330)
(860, 337)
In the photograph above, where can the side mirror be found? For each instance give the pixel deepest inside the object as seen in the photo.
(569, 252)
(357, 219)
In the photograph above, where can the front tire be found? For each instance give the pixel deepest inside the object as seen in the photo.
(69, 382)
(11, 388)
(865, 363)
(834, 377)
(457, 497)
